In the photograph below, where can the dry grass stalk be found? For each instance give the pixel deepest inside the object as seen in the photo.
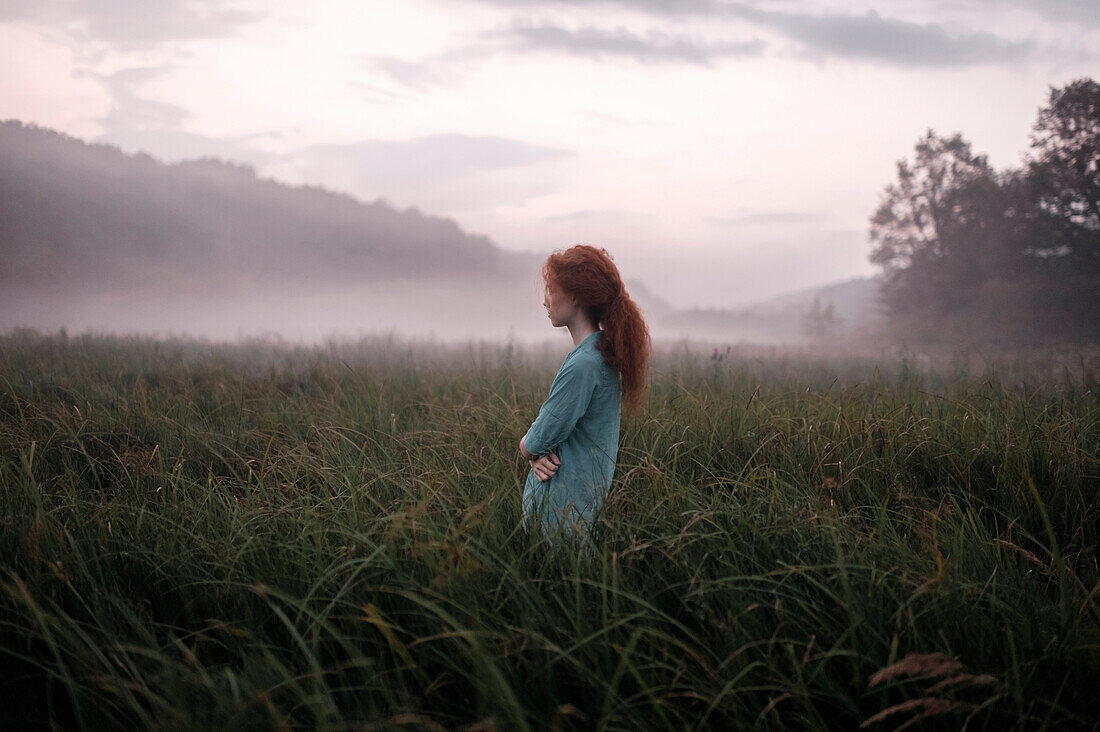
(1026, 554)
(918, 664)
(929, 706)
(965, 680)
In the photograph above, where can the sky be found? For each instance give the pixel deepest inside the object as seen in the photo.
(722, 151)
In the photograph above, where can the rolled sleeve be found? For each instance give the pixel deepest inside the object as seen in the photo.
(567, 402)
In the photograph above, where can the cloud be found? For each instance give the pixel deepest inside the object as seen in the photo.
(877, 38)
(651, 47)
(867, 37)
(656, 7)
(18, 9)
(432, 158)
(870, 36)
(130, 110)
(570, 216)
(442, 69)
(131, 26)
(155, 127)
(448, 173)
(1065, 11)
(779, 218)
(439, 69)
(443, 171)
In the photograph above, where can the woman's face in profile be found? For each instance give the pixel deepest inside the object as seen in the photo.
(560, 307)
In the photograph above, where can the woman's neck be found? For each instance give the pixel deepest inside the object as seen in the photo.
(581, 329)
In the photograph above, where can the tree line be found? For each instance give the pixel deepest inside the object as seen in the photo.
(1012, 257)
(74, 214)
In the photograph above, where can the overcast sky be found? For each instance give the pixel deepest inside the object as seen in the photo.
(723, 151)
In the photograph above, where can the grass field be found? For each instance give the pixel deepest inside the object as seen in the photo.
(260, 536)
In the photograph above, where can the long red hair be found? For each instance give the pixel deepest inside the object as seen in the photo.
(589, 275)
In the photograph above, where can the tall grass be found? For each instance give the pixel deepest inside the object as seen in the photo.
(212, 536)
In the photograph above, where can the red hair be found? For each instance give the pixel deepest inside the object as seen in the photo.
(588, 274)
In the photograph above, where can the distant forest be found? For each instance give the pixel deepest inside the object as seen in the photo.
(72, 213)
(974, 255)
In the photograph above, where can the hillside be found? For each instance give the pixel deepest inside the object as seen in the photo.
(92, 237)
(780, 318)
(73, 213)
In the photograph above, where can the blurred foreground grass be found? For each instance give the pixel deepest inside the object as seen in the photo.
(200, 536)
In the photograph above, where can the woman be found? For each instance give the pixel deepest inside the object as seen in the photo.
(572, 444)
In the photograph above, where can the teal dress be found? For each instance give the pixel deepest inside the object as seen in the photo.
(578, 422)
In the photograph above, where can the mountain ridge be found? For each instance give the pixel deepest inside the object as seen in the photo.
(87, 217)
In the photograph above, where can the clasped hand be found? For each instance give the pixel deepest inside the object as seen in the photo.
(544, 467)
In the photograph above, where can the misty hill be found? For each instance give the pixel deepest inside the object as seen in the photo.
(92, 237)
(855, 302)
(73, 212)
(781, 318)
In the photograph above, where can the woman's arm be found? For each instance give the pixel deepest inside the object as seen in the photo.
(544, 467)
(569, 397)
(567, 402)
(523, 451)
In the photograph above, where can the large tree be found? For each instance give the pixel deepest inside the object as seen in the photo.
(1064, 176)
(1011, 257)
(939, 228)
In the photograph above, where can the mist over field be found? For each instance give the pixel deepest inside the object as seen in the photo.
(95, 239)
(418, 309)
(310, 312)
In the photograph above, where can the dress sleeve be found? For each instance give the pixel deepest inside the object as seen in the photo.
(567, 402)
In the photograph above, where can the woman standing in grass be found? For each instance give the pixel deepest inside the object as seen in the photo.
(572, 444)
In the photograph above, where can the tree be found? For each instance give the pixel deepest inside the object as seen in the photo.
(1012, 257)
(820, 322)
(1064, 176)
(939, 228)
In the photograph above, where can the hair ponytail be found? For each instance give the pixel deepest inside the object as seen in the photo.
(589, 274)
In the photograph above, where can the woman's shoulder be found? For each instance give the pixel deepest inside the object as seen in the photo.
(588, 357)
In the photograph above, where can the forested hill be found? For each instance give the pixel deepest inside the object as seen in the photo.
(77, 213)
(92, 237)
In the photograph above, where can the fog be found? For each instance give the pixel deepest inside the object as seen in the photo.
(309, 314)
(98, 240)
(436, 310)
(308, 169)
